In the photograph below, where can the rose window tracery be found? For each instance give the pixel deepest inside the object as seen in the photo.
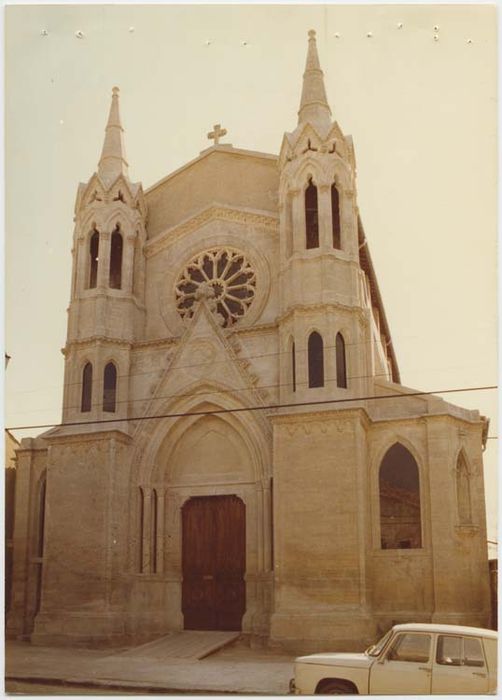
(223, 274)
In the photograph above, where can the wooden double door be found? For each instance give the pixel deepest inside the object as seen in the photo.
(214, 563)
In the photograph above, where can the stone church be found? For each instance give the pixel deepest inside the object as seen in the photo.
(237, 451)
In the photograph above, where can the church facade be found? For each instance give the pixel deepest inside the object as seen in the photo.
(236, 449)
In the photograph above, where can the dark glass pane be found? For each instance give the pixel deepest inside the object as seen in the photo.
(86, 388)
(335, 217)
(311, 216)
(449, 652)
(116, 261)
(109, 387)
(400, 520)
(93, 263)
(316, 360)
(293, 366)
(341, 369)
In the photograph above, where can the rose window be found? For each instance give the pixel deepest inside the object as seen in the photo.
(224, 275)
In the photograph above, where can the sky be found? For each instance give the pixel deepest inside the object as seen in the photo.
(415, 86)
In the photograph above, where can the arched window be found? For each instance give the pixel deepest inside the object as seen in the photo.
(311, 216)
(399, 484)
(42, 495)
(141, 508)
(93, 259)
(341, 367)
(293, 366)
(335, 217)
(85, 405)
(463, 491)
(153, 547)
(109, 387)
(289, 224)
(116, 259)
(316, 360)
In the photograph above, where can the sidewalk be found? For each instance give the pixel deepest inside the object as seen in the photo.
(236, 669)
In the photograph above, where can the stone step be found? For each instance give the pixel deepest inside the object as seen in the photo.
(188, 644)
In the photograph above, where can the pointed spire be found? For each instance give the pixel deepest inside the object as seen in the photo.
(314, 104)
(113, 162)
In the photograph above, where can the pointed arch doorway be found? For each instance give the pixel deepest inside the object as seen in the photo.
(214, 562)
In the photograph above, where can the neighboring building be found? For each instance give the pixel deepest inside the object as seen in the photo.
(11, 444)
(226, 458)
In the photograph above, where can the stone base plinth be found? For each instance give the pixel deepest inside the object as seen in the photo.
(85, 629)
(300, 633)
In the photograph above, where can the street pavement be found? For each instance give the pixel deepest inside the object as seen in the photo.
(236, 669)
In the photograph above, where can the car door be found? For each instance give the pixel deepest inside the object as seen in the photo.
(459, 666)
(405, 668)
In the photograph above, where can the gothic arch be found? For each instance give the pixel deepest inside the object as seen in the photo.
(110, 386)
(93, 244)
(291, 362)
(117, 217)
(341, 361)
(149, 437)
(156, 446)
(463, 489)
(316, 375)
(87, 381)
(310, 168)
(340, 174)
(400, 500)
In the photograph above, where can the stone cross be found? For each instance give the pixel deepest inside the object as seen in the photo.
(216, 134)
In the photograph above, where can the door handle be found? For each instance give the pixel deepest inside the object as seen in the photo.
(424, 668)
(481, 675)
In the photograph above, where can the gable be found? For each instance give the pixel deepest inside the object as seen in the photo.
(228, 176)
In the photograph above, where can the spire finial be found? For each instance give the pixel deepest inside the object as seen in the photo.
(313, 104)
(113, 161)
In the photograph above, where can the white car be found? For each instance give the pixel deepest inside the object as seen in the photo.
(411, 659)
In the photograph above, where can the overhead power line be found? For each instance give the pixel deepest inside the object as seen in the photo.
(209, 363)
(241, 409)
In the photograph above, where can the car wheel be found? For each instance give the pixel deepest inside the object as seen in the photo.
(335, 688)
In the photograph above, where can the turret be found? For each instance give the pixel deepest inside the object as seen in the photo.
(106, 313)
(324, 291)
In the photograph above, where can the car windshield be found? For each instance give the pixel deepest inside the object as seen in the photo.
(376, 649)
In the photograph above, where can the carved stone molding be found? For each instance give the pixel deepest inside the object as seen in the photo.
(269, 223)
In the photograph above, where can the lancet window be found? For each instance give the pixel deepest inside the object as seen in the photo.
(335, 217)
(86, 401)
(293, 366)
(311, 216)
(141, 515)
(109, 388)
(40, 538)
(316, 360)
(93, 259)
(463, 491)
(341, 366)
(399, 491)
(115, 277)
(153, 545)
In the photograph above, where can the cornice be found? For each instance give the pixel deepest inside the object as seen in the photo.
(95, 340)
(213, 213)
(158, 343)
(90, 435)
(106, 293)
(320, 416)
(308, 308)
(257, 329)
